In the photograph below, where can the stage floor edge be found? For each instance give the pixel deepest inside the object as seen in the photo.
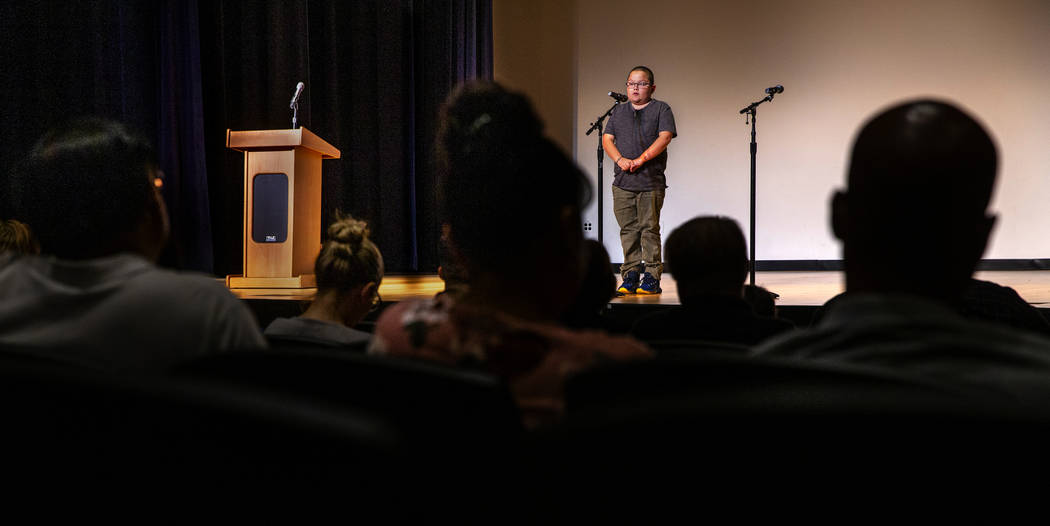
(809, 288)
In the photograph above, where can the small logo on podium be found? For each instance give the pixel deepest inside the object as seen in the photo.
(271, 239)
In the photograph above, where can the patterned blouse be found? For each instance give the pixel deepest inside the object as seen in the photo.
(534, 358)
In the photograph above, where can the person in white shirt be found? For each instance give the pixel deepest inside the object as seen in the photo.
(90, 191)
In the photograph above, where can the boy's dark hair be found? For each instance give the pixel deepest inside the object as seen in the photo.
(649, 72)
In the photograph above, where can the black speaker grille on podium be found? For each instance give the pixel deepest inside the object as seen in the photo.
(270, 208)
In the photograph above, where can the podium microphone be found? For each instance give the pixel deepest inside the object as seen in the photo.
(775, 89)
(298, 92)
(295, 104)
(620, 97)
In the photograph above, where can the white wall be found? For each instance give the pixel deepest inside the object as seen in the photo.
(839, 61)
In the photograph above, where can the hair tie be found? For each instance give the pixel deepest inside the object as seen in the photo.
(480, 122)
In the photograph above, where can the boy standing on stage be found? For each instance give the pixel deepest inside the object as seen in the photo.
(636, 138)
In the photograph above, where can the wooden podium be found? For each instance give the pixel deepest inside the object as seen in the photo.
(282, 206)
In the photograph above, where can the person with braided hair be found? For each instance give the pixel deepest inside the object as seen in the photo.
(349, 270)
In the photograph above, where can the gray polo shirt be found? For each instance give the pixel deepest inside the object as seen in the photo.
(635, 130)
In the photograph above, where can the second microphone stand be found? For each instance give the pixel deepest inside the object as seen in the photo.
(598, 125)
(751, 113)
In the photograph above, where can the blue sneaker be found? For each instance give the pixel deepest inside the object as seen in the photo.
(630, 282)
(650, 285)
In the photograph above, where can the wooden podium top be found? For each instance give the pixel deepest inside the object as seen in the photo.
(252, 140)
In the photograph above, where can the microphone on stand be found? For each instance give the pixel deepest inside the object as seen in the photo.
(295, 104)
(298, 92)
(775, 89)
(620, 97)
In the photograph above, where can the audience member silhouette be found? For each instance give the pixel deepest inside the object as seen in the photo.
(90, 193)
(984, 301)
(349, 270)
(512, 203)
(708, 258)
(449, 269)
(920, 179)
(762, 301)
(15, 236)
(588, 311)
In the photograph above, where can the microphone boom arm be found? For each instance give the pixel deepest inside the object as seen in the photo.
(753, 105)
(600, 121)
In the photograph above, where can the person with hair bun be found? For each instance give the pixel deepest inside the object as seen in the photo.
(349, 270)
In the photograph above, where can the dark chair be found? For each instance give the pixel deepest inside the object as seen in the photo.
(459, 424)
(279, 343)
(72, 431)
(414, 394)
(702, 372)
(695, 348)
(740, 437)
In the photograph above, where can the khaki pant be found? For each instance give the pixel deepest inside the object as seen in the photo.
(638, 214)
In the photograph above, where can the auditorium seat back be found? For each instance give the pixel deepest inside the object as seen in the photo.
(742, 435)
(417, 395)
(72, 431)
(464, 438)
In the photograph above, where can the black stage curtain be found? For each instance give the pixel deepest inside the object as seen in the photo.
(182, 72)
(136, 62)
(376, 73)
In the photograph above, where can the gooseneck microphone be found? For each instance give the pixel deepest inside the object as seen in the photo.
(295, 104)
(775, 89)
(620, 97)
(298, 92)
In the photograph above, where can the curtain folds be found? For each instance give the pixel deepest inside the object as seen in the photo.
(135, 62)
(376, 73)
(182, 72)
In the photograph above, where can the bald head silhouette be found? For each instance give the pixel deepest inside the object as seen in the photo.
(914, 216)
